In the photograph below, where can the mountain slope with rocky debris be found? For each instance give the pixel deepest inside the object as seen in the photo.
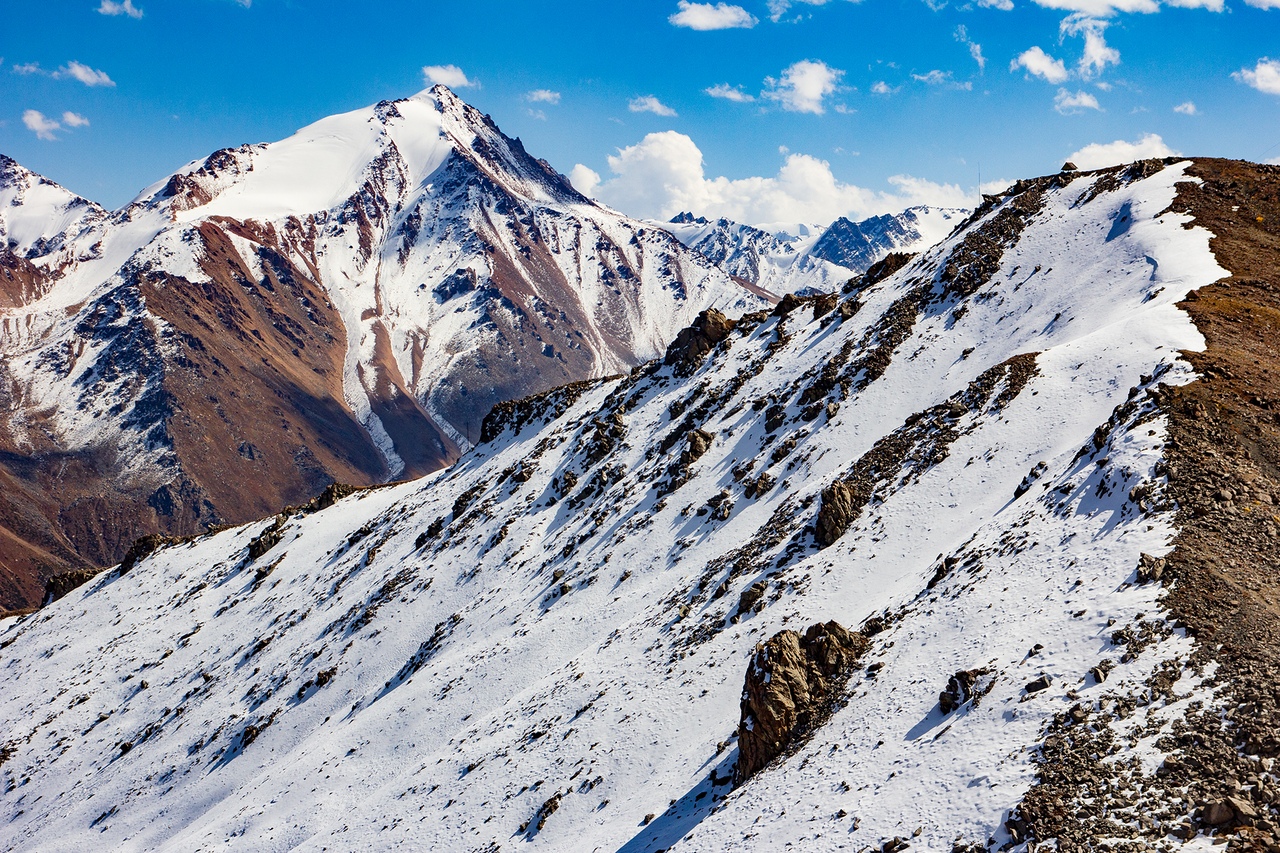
(931, 567)
(345, 304)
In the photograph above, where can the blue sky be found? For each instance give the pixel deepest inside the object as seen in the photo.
(823, 108)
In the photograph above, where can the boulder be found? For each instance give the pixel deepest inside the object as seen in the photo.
(789, 682)
(1150, 568)
(966, 685)
(694, 342)
(836, 513)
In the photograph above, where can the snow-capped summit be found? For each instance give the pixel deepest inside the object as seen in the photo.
(374, 284)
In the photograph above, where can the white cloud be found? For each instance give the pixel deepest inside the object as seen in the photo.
(1187, 109)
(975, 49)
(42, 126)
(663, 175)
(1264, 4)
(542, 96)
(704, 16)
(28, 68)
(584, 180)
(1265, 76)
(1098, 155)
(882, 88)
(446, 75)
(71, 119)
(778, 8)
(1101, 8)
(803, 86)
(1066, 102)
(1002, 5)
(109, 7)
(941, 78)
(1040, 64)
(650, 104)
(730, 93)
(83, 73)
(1097, 53)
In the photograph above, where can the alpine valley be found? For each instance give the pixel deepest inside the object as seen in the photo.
(975, 550)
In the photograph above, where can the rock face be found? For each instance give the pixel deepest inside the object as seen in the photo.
(835, 514)
(788, 683)
(694, 342)
(964, 686)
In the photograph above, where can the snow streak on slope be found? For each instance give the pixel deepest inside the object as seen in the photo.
(804, 259)
(542, 647)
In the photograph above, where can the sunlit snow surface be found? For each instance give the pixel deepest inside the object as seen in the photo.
(522, 693)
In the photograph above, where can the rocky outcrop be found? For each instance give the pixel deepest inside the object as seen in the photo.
(61, 584)
(965, 686)
(694, 342)
(836, 513)
(789, 685)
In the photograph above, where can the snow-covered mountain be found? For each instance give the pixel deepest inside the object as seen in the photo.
(347, 303)
(978, 465)
(806, 259)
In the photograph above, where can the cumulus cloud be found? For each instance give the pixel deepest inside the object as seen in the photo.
(39, 124)
(83, 73)
(1264, 4)
(705, 16)
(1068, 102)
(71, 119)
(1187, 109)
(1098, 155)
(778, 8)
(446, 75)
(28, 68)
(882, 88)
(1037, 63)
(1097, 53)
(542, 96)
(730, 93)
(1265, 76)
(109, 7)
(1002, 5)
(585, 180)
(804, 86)
(664, 174)
(650, 104)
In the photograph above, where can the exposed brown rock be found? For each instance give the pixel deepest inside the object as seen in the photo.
(694, 342)
(790, 682)
(836, 513)
(965, 686)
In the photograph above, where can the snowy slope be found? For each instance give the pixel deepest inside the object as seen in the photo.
(806, 259)
(540, 648)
